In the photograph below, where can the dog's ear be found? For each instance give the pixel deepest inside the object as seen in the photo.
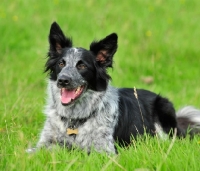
(57, 42)
(57, 39)
(105, 49)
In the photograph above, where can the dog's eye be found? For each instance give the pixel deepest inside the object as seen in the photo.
(81, 66)
(61, 64)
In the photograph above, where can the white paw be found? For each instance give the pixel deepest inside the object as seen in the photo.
(30, 150)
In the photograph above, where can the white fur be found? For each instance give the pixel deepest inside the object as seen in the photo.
(189, 112)
(101, 109)
(192, 114)
(159, 131)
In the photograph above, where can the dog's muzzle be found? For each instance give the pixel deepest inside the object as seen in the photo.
(69, 92)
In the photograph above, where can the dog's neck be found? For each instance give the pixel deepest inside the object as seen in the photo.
(73, 125)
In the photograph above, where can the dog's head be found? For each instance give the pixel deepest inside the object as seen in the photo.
(76, 69)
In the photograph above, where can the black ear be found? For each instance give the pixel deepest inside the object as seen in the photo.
(105, 49)
(57, 42)
(57, 39)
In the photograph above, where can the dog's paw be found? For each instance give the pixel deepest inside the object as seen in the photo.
(31, 150)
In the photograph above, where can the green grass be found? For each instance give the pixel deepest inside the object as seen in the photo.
(156, 38)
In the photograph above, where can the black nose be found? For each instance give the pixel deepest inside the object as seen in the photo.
(63, 81)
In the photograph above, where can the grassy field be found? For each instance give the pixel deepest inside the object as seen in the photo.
(157, 39)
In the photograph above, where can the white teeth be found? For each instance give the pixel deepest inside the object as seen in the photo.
(61, 91)
(78, 90)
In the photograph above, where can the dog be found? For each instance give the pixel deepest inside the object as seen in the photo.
(83, 110)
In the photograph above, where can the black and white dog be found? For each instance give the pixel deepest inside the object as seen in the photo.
(84, 111)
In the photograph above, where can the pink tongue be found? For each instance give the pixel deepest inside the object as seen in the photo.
(67, 95)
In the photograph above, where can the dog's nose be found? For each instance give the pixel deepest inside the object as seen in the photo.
(64, 81)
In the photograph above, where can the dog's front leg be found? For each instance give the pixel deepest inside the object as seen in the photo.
(47, 138)
(105, 144)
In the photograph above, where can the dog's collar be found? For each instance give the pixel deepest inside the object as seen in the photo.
(73, 125)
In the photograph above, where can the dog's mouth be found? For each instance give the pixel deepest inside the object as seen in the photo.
(69, 96)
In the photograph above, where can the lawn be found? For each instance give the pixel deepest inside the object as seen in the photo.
(157, 40)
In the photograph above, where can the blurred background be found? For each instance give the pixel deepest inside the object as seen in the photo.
(158, 50)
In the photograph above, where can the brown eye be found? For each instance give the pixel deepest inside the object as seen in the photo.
(81, 66)
(61, 64)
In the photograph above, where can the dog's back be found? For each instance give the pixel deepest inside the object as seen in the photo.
(142, 111)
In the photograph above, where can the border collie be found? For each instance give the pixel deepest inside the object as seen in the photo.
(83, 110)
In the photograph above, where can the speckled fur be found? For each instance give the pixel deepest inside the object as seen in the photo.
(101, 109)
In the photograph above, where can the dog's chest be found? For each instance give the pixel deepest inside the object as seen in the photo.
(83, 134)
(100, 110)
